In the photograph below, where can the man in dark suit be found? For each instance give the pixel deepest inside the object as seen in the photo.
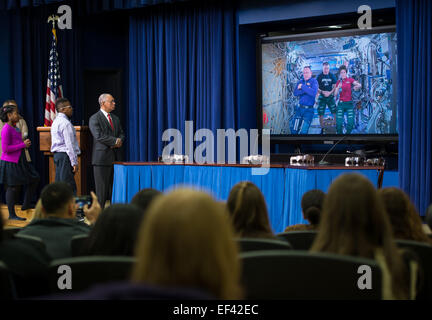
(108, 138)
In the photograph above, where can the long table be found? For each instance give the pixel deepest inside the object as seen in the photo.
(283, 186)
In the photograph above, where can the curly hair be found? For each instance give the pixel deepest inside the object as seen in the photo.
(5, 110)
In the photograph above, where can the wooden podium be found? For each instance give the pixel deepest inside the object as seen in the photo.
(82, 133)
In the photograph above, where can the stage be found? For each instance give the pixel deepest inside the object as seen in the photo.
(282, 187)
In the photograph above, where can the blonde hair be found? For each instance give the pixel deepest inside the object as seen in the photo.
(186, 240)
(38, 213)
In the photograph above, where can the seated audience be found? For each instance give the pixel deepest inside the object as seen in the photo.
(144, 197)
(354, 222)
(248, 211)
(311, 204)
(115, 231)
(28, 264)
(405, 220)
(186, 241)
(59, 224)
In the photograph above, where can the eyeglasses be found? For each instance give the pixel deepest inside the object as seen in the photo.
(112, 101)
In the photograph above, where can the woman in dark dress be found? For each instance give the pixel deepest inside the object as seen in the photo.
(15, 171)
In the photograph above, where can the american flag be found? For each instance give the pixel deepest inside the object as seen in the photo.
(54, 88)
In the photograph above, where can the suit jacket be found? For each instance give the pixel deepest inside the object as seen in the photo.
(56, 233)
(104, 138)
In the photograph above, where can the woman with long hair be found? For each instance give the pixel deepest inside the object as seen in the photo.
(311, 204)
(345, 85)
(15, 170)
(115, 231)
(186, 241)
(248, 211)
(354, 222)
(405, 220)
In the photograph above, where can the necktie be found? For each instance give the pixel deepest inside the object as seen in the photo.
(110, 121)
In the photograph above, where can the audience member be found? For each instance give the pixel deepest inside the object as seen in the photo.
(27, 263)
(115, 231)
(60, 224)
(405, 220)
(186, 241)
(248, 211)
(354, 222)
(144, 197)
(311, 204)
(15, 170)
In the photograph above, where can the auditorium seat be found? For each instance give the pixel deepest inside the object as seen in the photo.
(35, 241)
(257, 244)
(424, 253)
(9, 233)
(302, 275)
(78, 243)
(7, 287)
(299, 240)
(88, 271)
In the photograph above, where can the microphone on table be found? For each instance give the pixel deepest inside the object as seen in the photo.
(325, 163)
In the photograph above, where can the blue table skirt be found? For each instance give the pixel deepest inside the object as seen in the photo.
(283, 188)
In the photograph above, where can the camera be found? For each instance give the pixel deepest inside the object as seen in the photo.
(81, 202)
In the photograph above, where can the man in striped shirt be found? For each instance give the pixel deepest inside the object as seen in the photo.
(64, 144)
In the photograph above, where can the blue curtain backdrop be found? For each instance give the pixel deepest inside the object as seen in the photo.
(182, 67)
(91, 5)
(29, 46)
(414, 32)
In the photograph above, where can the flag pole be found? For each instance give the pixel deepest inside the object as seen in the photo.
(54, 88)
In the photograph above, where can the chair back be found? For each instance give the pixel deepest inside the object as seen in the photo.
(36, 241)
(78, 245)
(7, 286)
(300, 240)
(9, 233)
(424, 254)
(80, 273)
(255, 244)
(303, 275)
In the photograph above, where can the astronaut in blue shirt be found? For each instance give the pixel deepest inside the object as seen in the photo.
(306, 89)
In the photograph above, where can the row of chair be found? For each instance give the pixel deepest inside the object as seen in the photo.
(272, 274)
(271, 270)
(297, 240)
